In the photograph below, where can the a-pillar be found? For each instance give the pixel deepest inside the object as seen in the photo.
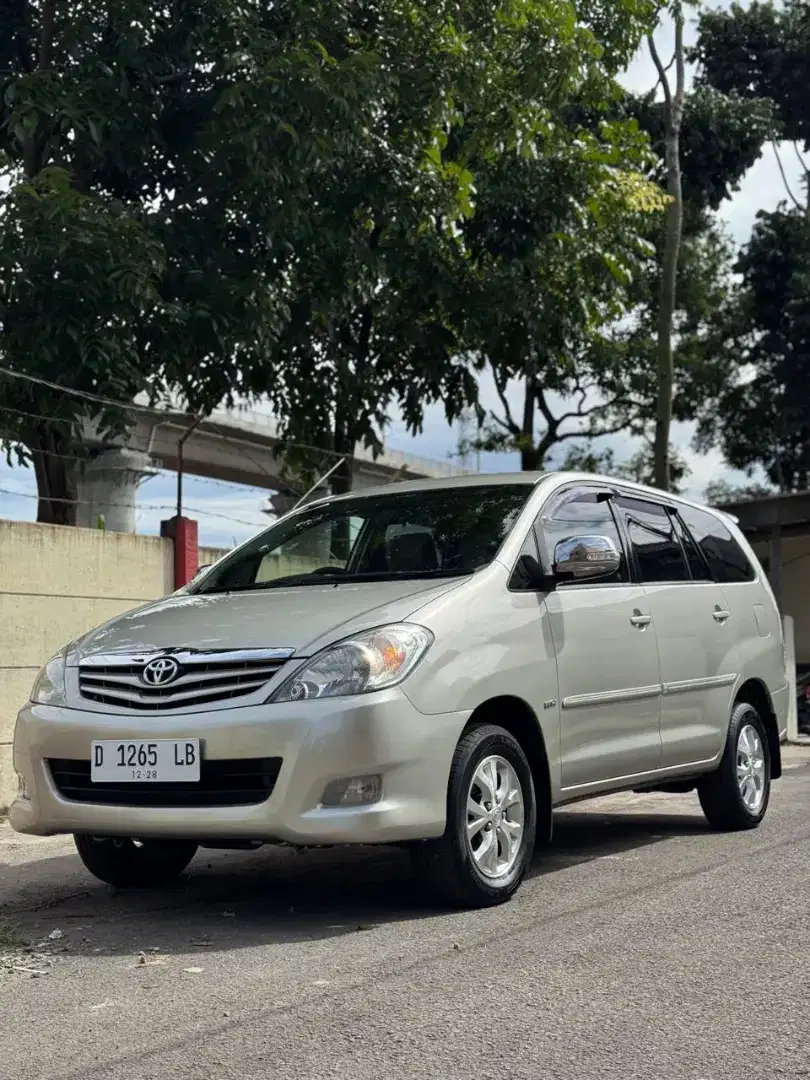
(182, 531)
(107, 488)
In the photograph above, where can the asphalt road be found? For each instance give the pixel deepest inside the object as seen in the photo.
(644, 946)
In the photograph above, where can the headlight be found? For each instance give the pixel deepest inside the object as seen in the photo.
(371, 661)
(49, 687)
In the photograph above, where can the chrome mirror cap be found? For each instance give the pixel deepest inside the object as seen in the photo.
(586, 557)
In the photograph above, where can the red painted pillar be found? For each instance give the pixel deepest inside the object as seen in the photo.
(183, 532)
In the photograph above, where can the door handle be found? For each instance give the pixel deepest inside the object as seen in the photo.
(720, 616)
(639, 620)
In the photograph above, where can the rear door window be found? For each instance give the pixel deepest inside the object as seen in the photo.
(727, 561)
(697, 564)
(654, 543)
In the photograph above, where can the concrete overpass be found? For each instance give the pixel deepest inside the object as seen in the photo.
(241, 447)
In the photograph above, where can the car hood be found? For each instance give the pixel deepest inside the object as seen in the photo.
(294, 618)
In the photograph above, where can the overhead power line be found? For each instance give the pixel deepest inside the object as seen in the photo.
(129, 506)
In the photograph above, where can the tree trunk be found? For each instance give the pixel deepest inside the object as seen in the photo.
(53, 467)
(673, 117)
(528, 449)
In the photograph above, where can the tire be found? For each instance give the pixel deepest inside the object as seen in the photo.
(135, 864)
(455, 867)
(735, 796)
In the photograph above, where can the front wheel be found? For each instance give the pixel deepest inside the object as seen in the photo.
(735, 796)
(491, 822)
(127, 864)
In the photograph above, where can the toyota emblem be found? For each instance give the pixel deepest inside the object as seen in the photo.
(160, 671)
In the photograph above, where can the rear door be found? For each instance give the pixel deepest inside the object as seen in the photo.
(753, 616)
(607, 660)
(696, 641)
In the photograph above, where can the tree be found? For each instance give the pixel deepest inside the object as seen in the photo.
(604, 380)
(754, 402)
(674, 99)
(396, 293)
(552, 247)
(197, 163)
(760, 52)
(758, 412)
(159, 165)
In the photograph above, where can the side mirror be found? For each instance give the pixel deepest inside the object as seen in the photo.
(584, 558)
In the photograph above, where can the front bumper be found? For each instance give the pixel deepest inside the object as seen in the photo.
(317, 741)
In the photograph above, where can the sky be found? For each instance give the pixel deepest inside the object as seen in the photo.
(229, 513)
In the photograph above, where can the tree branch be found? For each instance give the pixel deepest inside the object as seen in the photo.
(680, 63)
(548, 415)
(509, 420)
(805, 170)
(509, 426)
(793, 198)
(583, 414)
(613, 429)
(662, 71)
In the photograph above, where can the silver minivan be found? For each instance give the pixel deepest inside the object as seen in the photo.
(437, 664)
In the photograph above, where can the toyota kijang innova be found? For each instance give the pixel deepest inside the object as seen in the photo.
(437, 664)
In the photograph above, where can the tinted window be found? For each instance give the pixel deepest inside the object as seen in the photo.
(659, 555)
(581, 513)
(438, 532)
(727, 560)
(697, 567)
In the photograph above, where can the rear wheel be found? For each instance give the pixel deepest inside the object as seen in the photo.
(491, 822)
(128, 863)
(736, 795)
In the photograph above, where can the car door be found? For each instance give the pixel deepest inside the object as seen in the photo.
(696, 644)
(607, 660)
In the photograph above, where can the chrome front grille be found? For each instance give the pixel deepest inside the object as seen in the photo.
(199, 678)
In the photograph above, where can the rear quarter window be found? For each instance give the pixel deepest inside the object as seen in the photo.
(727, 561)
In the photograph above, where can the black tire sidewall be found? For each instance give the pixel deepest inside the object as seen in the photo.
(121, 863)
(745, 715)
(487, 741)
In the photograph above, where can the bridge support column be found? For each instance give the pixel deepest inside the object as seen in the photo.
(107, 486)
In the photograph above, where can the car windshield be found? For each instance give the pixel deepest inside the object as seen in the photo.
(438, 532)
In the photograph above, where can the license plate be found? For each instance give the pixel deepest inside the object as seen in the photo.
(139, 761)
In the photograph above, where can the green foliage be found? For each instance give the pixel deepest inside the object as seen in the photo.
(269, 200)
(401, 282)
(596, 375)
(761, 52)
(160, 167)
(755, 402)
(721, 138)
(750, 387)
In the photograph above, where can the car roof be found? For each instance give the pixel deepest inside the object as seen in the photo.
(529, 479)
